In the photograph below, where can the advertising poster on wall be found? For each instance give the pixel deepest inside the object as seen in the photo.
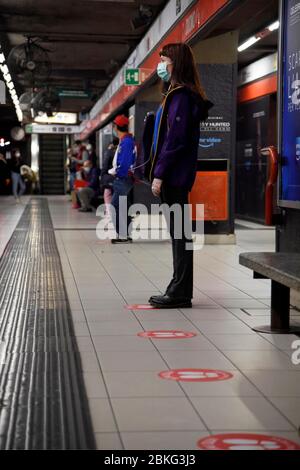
(290, 140)
(216, 131)
(253, 134)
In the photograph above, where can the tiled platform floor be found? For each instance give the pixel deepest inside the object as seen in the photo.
(10, 213)
(131, 406)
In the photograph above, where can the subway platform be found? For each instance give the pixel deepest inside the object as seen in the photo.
(86, 365)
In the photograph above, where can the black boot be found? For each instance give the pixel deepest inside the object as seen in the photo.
(165, 301)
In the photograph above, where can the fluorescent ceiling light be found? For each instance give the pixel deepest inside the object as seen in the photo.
(274, 26)
(20, 115)
(10, 85)
(7, 78)
(248, 43)
(4, 69)
(259, 35)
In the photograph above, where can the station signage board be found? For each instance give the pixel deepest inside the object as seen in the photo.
(79, 94)
(50, 129)
(59, 118)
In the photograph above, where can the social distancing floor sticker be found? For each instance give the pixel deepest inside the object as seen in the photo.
(140, 307)
(166, 334)
(246, 442)
(195, 375)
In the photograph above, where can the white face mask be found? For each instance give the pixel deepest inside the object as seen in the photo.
(87, 170)
(17, 154)
(162, 71)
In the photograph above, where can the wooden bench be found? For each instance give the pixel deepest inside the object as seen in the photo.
(284, 271)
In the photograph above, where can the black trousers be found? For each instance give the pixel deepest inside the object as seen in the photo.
(180, 230)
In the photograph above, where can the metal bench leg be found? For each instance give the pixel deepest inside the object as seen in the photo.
(280, 312)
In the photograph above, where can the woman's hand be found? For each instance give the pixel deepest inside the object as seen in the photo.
(156, 187)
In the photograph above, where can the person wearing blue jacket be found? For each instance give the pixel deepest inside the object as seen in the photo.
(173, 159)
(123, 164)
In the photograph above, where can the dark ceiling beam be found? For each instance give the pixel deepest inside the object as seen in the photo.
(80, 73)
(65, 8)
(79, 36)
(76, 85)
(88, 40)
(67, 82)
(62, 9)
(110, 26)
(79, 81)
(39, 30)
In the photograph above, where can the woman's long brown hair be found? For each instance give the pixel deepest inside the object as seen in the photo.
(184, 67)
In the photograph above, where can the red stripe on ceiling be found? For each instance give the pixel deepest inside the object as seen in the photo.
(187, 27)
(263, 87)
(183, 31)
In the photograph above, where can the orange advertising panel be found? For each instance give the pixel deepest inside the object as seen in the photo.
(255, 90)
(210, 189)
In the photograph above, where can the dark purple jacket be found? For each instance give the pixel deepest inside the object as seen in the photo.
(175, 160)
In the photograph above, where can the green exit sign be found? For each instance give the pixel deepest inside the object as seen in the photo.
(132, 77)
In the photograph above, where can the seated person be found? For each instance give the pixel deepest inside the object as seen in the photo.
(30, 178)
(91, 190)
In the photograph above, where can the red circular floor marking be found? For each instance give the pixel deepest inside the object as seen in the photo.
(162, 334)
(195, 375)
(246, 442)
(140, 307)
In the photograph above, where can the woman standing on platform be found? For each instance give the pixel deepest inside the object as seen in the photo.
(174, 161)
(4, 174)
(15, 164)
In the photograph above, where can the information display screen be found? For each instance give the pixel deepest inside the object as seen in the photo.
(290, 103)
